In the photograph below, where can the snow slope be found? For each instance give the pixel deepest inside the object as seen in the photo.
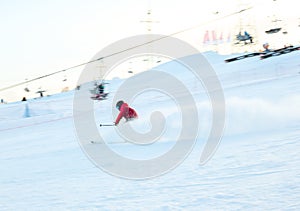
(256, 166)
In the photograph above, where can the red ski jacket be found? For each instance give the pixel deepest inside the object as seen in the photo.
(126, 112)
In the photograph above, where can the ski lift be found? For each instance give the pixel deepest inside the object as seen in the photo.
(26, 89)
(244, 38)
(273, 31)
(275, 27)
(41, 92)
(245, 24)
(276, 30)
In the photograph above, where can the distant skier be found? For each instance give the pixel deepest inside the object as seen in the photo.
(100, 89)
(125, 111)
(99, 92)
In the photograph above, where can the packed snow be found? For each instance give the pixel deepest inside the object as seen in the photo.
(255, 167)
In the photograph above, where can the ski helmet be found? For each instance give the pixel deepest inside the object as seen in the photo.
(119, 103)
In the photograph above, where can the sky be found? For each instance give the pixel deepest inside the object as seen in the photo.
(42, 37)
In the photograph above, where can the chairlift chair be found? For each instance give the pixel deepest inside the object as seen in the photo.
(244, 38)
(273, 30)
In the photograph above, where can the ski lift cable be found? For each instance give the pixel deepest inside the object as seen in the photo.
(44, 76)
(127, 49)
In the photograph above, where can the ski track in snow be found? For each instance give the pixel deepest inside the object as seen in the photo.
(256, 166)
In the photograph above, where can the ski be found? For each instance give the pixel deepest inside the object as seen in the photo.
(100, 96)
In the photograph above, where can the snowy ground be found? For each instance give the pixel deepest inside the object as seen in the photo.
(256, 166)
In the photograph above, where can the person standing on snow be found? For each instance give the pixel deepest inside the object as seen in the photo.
(266, 47)
(125, 111)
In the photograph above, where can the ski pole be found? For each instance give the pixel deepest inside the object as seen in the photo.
(106, 125)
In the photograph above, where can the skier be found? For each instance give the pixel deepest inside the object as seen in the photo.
(100, 88)
(125, 111)
(99, 92)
